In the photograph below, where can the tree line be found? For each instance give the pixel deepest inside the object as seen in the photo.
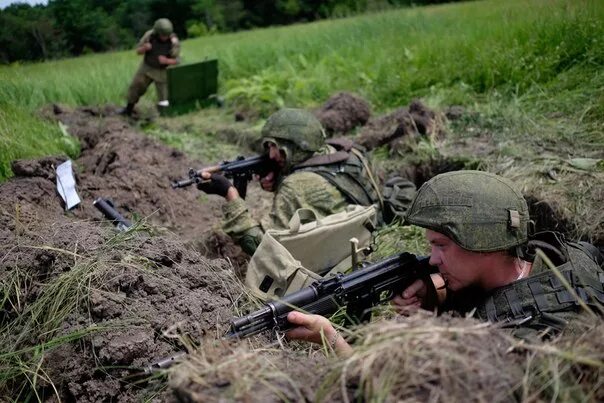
(73, 27)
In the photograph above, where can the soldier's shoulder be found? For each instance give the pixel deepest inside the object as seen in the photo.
(301, 184)
(146, 36)
(174, 39)
(302, 178)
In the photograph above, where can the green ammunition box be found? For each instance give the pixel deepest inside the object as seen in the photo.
(192, 86)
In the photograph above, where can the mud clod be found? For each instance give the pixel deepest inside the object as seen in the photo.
(343, 112)
(402, 125)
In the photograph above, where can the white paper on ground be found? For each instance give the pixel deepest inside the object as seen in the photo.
(66, 185)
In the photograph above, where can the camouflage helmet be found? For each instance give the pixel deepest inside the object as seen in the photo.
(296, 126)
(479, 211)
(163, 27)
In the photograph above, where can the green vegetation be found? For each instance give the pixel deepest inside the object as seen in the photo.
(22, 135)
(76, 27)
(531, 70)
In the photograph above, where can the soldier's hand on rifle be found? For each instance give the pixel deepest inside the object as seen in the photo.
(424, 293)
(411, 298)
(217, 184)
(316, 329)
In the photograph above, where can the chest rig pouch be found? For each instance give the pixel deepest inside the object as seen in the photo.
(346, 169)
(535, 301)
(158, 48)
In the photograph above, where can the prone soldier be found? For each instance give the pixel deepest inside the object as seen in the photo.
(309, 173)
(477, 227)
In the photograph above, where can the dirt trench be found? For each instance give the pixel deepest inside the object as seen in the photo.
(129, 298)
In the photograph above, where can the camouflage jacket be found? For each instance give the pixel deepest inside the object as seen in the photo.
(541, 305)
(170, 48)
(298, 190)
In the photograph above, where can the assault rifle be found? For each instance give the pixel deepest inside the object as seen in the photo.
(106, 207)
(240, 170)
(358, 291)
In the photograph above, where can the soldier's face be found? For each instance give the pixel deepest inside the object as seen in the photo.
(276, 154)
(460, 268)
(269, 181)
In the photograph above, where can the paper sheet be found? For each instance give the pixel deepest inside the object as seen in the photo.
(66, 185)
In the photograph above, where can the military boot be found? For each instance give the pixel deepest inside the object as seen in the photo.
(163, 107)
(127, 111)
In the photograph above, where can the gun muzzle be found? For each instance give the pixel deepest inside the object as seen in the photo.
(183, 183)
(164, 363)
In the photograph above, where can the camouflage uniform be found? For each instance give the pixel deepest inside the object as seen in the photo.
(303, 189)
(150, 69)
(540, 305)
(300, 135)
(482, 212)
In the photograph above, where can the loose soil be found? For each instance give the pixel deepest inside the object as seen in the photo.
(138, 296)
(401, 126)
(128, 299)
(342, 113)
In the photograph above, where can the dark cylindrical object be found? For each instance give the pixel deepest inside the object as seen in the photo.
(106, 207)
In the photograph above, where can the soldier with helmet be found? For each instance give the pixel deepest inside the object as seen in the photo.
(311, 174)
(477, 227)
(161, 49)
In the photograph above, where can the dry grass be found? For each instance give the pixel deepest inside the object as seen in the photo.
(444, 359)
(223, 372)
(424, 358)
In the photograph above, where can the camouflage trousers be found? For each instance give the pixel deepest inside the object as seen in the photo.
(144, 76)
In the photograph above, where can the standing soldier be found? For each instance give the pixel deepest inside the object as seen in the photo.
(161, 49)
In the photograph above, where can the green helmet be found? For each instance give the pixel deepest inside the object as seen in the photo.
(296, 126)
(163, 27)
(479, 211)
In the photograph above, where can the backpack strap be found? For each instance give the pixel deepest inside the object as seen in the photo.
(325, 159)
(341, 143)
(344, 170)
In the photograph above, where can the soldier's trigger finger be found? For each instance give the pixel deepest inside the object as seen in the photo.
(416, 288)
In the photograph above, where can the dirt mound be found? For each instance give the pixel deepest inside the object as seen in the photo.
(401, 126)
(343, 112)
(84, 306)
(118, 295)
(134, 171)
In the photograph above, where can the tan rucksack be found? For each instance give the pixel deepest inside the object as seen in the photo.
(287, 260)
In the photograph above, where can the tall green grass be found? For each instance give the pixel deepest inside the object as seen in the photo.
(24, 135)
(468, 53)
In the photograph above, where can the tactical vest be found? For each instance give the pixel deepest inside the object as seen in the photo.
(158, 48)
(346, 169)
(543, 300)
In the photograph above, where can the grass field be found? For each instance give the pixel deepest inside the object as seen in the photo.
(528, 62)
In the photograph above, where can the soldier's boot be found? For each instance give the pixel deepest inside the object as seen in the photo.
(162, 107)
(127, 111)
